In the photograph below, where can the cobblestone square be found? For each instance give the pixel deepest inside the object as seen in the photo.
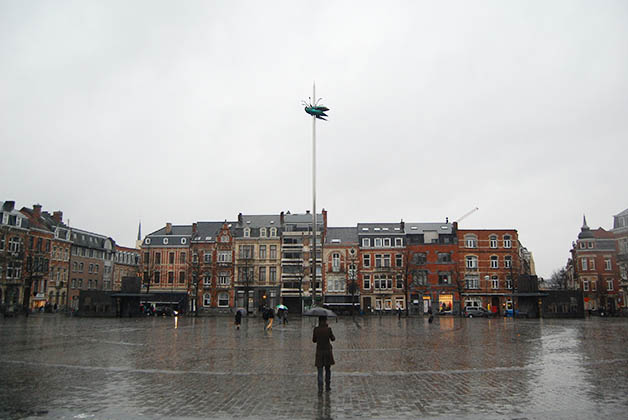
(58, 367)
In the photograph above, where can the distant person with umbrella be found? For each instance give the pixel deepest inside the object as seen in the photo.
(324, 355)
(238, 319)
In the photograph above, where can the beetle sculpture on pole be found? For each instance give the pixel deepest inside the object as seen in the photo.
(317, 111)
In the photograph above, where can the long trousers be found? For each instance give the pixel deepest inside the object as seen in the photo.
(327, 378)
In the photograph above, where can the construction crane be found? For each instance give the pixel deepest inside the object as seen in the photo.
(467, 214)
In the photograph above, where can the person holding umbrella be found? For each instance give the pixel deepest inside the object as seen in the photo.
(324, 355)
(238, 319)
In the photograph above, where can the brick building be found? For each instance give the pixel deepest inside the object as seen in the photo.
(126, 263)
(38, 251)
(620, 230)
(59, 260)
(431, 255)
(488, 265)
(594, 268)
(15, 291)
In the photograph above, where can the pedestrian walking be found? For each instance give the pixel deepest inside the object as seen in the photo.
(238, 319)
(431, 318)
(265, 316)
(323, 336)
(271, 317)
(398, 311)
(284, 316)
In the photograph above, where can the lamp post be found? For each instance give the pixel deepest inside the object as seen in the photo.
(317, 112)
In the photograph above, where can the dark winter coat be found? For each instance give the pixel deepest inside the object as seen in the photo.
(324, 354)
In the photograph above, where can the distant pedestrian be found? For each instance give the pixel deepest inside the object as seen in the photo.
(265, 316)
(238, 319)
(284, 316)
(398, 311)
(431, 316)
(323, 336)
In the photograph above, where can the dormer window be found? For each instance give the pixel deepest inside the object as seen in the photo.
(590, 244)
(262, 232)
(165, 241)
(247, 232)
(273, 232)
(224, 238)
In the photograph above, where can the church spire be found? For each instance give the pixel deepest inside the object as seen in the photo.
(138, 242)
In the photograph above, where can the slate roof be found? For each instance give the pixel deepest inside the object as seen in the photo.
(444, 228)
(380, 229)
(347, 236)
(302, 218)
(82, 239)
(177, 230)
(623, 213)
(260, 220)
(207, 231)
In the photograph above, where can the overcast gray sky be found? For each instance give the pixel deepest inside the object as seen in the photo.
(116, 111)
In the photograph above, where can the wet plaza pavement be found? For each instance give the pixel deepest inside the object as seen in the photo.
(53, 366)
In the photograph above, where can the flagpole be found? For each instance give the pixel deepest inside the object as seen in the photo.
(313, 273)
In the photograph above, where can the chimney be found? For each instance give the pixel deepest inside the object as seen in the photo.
(281, 218)
(168, 228)
(403, 225)
(307, 212)
(8, 206)
(455, 227)
(194, 227)
(239, 218)
(57, 216)
(37, 211)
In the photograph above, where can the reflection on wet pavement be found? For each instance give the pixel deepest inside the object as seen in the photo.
(58, 367)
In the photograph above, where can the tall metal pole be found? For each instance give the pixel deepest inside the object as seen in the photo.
(313, 273)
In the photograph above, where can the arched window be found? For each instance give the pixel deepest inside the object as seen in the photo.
(335, 262)
(507, 241)
(493, 241)
(494, 261)
(207, 300)
(247, 232)
(471, 261)
(273, 232)
(262, 232)
(223, 299)
(471, 241)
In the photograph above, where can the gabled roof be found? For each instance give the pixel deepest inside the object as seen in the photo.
(207, 231)
(623, 213)
(341, 236)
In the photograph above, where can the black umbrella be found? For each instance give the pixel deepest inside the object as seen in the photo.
(318, 311)
(241, 310)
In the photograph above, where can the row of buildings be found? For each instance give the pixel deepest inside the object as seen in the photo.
(259, 260)
(598, 265)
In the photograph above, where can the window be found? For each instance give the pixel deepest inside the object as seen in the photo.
(583, 264)
(224, 256)
(273, 252)
(207, 280)
(590, 244)
(366, 242)
(399, 281)
(157, 257)
(419, 277)
(97, 267)
(207, 257)
(273, 275)
(81, 266)
(262, 275)
(593, 285)
(156, 276)
(262, 232)
(378, 242)
(262, 252)
(399, 260)
(592, 263)
(382, 281)
(444, 277)
(508, 282)
(585, 285)
(90, 268)
(223, 278)
(273, 232)
(607, 264)
(471, 261)
(171, 258)
(494, 282)
(494, 261)
(223, 299)
(170, 277)
(2, 242)
(366, 260)
(14, 244)
(246, 251)
(398, 242)
(419, 258)
(471, 241)
(507, 261)
(387, 242)
(444, 257)
(165, 241)
(492, 241)
(609, 285)
(181, 277)
(207, 300)
(247, 232)
(367, 281)
(507, 241)
(182, 258)
(335, 262)
(472, 281)
(352, 271)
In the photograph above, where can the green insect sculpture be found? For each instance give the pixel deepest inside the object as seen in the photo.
(316, 109)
